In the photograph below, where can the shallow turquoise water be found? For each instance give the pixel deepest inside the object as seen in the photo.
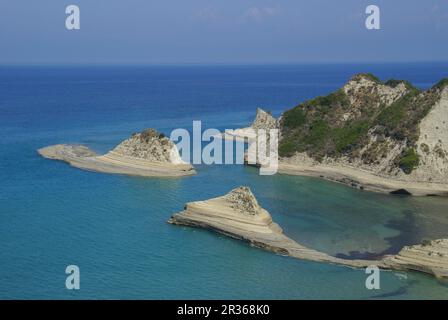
(114, 227)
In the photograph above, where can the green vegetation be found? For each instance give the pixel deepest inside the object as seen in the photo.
(333, 100)
(314, 127)
(347, 136)
(331, 126)
(409, 160)
(393, 83)
(442, 83)
(401, 119)
(371, 77)
(393, 116)
(317, 134)
(287, 148)
(294, 118)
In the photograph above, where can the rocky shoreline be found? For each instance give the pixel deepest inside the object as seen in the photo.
(147, 154)
(238, 213)
(387, 137)
(239, 216)
(363, 180)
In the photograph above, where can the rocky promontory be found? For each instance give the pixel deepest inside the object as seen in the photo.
(239, 215)
(380, 136)
(263, 120)
(429, 257)
(147, 153)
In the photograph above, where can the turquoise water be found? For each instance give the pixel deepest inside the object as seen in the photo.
(114, 227)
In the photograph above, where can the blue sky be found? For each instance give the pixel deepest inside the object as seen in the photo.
(222, 31)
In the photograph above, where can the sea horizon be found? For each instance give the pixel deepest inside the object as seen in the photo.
(217, 64)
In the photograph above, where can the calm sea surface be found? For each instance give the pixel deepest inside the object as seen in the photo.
(114, 227)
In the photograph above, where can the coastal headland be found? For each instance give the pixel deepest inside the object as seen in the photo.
(238, 215)
(148, 154)
(388, 137)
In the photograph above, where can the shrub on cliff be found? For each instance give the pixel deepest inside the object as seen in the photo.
(409, 160)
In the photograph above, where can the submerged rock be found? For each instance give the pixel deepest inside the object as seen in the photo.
(148, 153)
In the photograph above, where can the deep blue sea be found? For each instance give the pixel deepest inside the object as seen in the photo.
(114, 227)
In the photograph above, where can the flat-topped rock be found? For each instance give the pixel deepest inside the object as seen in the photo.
(429, 257)
(239, 215)
(66, 151)
(148, 153)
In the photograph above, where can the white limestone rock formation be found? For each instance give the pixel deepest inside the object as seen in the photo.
(239, 215)
(263, 120)
(148, 154)
(429, 257)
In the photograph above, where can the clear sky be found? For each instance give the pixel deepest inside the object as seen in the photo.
(222, 31)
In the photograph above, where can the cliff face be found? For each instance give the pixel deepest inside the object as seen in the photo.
(264, 120)
(391, 129)
(432, 145)
(149, 145)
